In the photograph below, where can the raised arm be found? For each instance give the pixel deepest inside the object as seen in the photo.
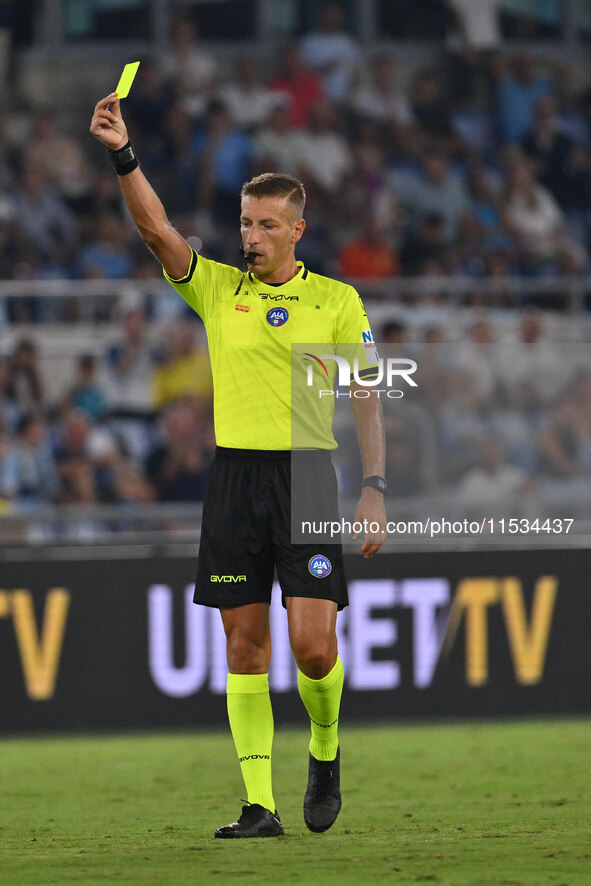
(172, 251)
(370, 431)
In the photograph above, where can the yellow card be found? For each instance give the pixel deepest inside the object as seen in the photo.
(126, 79)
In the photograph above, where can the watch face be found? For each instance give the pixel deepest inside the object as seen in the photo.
(377, 483)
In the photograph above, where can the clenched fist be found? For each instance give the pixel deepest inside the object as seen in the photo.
(107, 123)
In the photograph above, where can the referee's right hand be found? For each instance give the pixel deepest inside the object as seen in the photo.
(107, 123)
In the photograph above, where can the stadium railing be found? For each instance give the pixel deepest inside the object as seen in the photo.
(142, 527)
(565, 293)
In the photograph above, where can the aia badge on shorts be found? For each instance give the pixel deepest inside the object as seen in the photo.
(319, 565)
(277, 316)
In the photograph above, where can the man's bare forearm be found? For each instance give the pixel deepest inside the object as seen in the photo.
(144, 206)
(370, 512)
(171, 250)
(369, 418)
(148, 213)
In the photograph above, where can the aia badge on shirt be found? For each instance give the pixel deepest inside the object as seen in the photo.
(277, 316)
(319, 565)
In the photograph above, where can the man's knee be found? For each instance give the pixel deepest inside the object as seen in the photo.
(312, 634)
(248, 640)
(247, 655)
(315, 658)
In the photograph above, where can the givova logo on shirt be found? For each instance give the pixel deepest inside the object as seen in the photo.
(277, 316)
(319, 565)
(278, 296)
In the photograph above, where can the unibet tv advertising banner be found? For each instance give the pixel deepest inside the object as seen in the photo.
(118, 643)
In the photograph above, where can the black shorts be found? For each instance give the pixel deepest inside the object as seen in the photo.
(246, 530)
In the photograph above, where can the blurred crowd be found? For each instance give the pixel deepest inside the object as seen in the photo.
(498, 425)
(495, 420)
(479, 165)
(134, 425)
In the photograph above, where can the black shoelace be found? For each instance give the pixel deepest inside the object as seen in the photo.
(324, 781)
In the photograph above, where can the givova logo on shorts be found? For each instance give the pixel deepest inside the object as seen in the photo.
(227, 578)
(319, 565)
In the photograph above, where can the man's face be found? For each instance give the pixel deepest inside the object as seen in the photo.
(491, 454)
(435, 166)
(332, 18)
(35, 433)
(269, 230)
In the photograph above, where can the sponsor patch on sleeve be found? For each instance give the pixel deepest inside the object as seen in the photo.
(371, 352)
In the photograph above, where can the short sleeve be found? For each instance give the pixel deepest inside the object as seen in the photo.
(354, 337)
(203, 280)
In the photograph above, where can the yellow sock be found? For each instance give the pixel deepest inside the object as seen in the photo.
(322, 699)
(251, 722)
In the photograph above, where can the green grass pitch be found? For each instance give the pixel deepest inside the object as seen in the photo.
(478, 803)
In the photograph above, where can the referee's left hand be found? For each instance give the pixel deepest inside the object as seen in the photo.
(371, 514)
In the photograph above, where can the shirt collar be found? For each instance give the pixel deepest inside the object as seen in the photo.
(301, 275)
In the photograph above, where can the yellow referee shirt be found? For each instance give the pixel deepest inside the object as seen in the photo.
(251, 328)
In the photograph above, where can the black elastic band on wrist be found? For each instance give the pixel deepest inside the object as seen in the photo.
(124, 160)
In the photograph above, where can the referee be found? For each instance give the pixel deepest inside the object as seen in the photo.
(252, 321)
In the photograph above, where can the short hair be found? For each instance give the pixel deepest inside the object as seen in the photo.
(26, 421)
(86, 361)
(276, 184)
(216, 106)
(393, 327)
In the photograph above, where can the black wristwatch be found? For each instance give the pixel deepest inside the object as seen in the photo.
(376, 483)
